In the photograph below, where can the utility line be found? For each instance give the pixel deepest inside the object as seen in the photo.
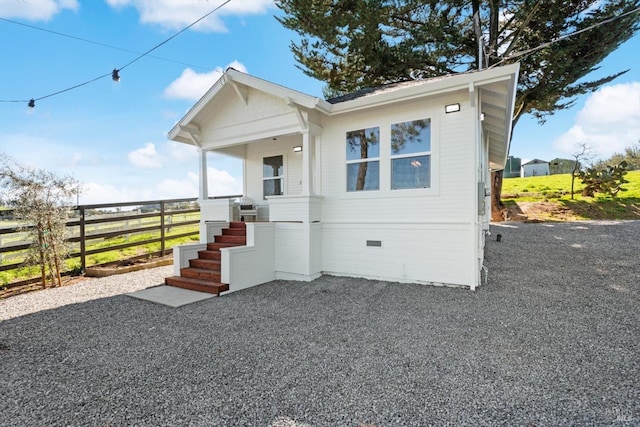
(115, 71)
(563, 37)
(97, 43)
(175, 35)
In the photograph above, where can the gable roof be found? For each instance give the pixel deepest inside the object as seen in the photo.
(383, 88)
(535, 162)
(496, 86)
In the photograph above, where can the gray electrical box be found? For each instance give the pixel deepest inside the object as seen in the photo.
(482, 197)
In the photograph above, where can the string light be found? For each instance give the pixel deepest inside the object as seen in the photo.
(115, 74)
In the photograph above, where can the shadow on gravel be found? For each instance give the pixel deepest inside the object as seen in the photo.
(551, 339)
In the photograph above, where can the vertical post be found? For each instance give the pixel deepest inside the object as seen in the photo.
(306, 163)
(162, 228)
(83, 242)
(204, 190)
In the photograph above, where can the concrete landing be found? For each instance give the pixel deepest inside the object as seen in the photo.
(170, 296)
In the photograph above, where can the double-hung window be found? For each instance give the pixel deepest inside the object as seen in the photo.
(363, 159)
(411, 154)
(272, 176)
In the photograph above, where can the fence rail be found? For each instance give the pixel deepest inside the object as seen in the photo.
(99, 228)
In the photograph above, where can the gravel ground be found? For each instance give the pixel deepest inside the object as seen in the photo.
(553, 338)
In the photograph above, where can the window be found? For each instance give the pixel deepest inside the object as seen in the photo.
(411, 154)
(363, 159)
(272, 176)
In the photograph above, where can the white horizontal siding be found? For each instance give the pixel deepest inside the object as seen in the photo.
(256, 152)
(451, 196)
(436, 253)
(234, 121)
(259, 106)
(298, 250)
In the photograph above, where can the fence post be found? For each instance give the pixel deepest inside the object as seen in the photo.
(162, 228)
(83, 241)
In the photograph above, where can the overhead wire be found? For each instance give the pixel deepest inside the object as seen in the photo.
(564, 37)
(115, 71)
(97, 43)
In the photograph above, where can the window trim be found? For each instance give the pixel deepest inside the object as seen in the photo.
(428, 153)
(273, 178)
(366, 160)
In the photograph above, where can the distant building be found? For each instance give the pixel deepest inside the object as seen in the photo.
(512, 167)
(535, 167)
(558, 166)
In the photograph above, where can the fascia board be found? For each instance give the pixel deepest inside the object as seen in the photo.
(197, 107)
(512, 86)
(299, 98)
(405, 94)
(450, 84)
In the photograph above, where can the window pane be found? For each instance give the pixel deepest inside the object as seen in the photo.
(411, 172)
(363, 144)
(272, 187)
(363, 176)
(272, 166)
(411, 137)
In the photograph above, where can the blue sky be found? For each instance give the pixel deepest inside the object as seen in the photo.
(112, 136)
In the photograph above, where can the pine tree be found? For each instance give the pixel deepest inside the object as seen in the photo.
(356, 44)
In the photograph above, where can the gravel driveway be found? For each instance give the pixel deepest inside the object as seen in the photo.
(553, 338)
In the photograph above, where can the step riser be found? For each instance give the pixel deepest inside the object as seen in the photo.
(234, 232)
(206, 264)
(218, 246)
(198, 273)
(238, 240)
(212, 255)
(237, 225)
(194, 285)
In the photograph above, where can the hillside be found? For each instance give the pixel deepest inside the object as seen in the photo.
(548, 198)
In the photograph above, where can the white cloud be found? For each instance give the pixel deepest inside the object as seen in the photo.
(146, 157)
(182, 153)
(608, 122)
(221, 183)
(35, 10)
(177, 14)
(192, 85)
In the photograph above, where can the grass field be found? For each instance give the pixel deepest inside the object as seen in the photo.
(549, 198)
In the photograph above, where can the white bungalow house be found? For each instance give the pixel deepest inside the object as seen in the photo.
(390, 183)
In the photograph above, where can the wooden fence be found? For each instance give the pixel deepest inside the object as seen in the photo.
(98, 228)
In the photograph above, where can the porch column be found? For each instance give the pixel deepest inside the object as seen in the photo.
(204, 189)
(307, 145)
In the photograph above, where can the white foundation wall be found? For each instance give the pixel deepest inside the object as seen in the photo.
(416, 253)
